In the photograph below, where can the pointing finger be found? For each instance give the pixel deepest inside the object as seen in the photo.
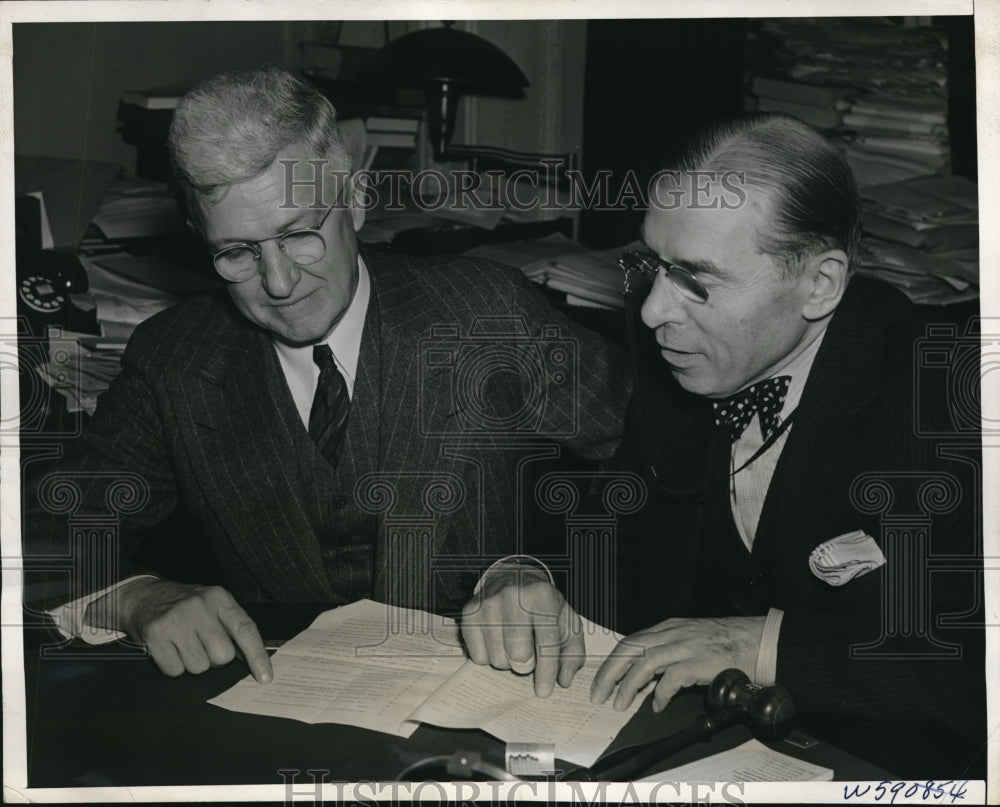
(242, 629)
(574, 652)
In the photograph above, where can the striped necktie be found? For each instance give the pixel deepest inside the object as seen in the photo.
(331, 406)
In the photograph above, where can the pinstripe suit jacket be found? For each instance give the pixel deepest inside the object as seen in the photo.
(464, 371)
(868, 447)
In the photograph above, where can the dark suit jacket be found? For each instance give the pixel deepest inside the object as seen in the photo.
(464, 372)
(854, 459)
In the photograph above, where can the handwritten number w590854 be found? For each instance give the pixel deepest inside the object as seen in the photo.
(949, 789)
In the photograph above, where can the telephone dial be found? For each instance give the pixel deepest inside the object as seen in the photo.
(45, 280)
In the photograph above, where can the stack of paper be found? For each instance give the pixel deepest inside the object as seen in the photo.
(124, 291)
(911, 131)
(138, 208)
(821, 107)
(588, 278)
(894, 78)
(869, 53)
(165, 97)
(529, 254)
(922, 236)
(79, 368)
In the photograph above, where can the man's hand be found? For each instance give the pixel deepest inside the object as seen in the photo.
(520, 622)
(185, 627)
(683, 652)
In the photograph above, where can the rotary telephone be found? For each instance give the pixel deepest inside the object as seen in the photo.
(45, 277)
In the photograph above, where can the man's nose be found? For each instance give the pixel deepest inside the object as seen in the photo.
(279, 272)
(665, 303)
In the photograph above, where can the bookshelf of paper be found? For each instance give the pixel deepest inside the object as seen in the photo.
(878, 88)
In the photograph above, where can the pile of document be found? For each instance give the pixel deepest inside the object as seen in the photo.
(590, 279)
(821, 107)
(123, 288)
(878, 87)
(897, 134)
(922, 235)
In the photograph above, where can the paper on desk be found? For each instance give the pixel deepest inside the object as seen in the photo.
(751, 762)
(504, 705)
(136, 208)
(131, 311)
(114, 284)
(156, 275)
(386, 669)
(351, 667)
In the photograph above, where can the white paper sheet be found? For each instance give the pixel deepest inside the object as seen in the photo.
(388, 669)
(751, 762)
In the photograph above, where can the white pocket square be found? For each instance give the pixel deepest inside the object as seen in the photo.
(845, 557)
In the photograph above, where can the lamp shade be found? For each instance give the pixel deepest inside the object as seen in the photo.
(464, 61)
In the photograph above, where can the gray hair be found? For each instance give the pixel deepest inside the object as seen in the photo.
(230, 128)
(815, 197)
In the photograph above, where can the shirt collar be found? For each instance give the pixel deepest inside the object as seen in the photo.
(799, 368)
(344, 340)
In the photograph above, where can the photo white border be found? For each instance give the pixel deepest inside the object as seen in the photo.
(987, 28)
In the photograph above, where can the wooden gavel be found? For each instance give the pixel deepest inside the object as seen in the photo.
(731, 698)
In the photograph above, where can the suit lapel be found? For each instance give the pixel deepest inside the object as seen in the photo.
(415, 406)
(811, 481)
(362, 447)
(247, 453)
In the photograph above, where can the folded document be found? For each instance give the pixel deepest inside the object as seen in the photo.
(388, 669)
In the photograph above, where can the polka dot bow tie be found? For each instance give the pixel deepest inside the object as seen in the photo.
(766, 397)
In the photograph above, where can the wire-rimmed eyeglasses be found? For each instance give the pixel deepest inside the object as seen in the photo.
(239, 262)
(648, 264)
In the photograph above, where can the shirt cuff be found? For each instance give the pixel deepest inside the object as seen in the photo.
(68, 617)
(515, 562)
(767, 656)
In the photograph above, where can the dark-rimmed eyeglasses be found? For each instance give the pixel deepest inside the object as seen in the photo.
(240, 262)
(649, 264)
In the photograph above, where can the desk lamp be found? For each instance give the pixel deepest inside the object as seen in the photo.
(447, 63)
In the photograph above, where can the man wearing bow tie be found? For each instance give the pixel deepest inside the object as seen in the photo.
(780, 383)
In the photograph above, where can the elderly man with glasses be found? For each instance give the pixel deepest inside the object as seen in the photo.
(337, 423)
(806, 477)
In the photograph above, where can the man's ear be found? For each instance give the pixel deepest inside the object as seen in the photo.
(826, 278)
(358, 191)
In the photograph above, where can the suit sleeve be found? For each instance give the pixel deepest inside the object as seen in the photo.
(115, 482)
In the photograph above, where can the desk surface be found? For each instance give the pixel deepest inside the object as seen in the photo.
(100, 718)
